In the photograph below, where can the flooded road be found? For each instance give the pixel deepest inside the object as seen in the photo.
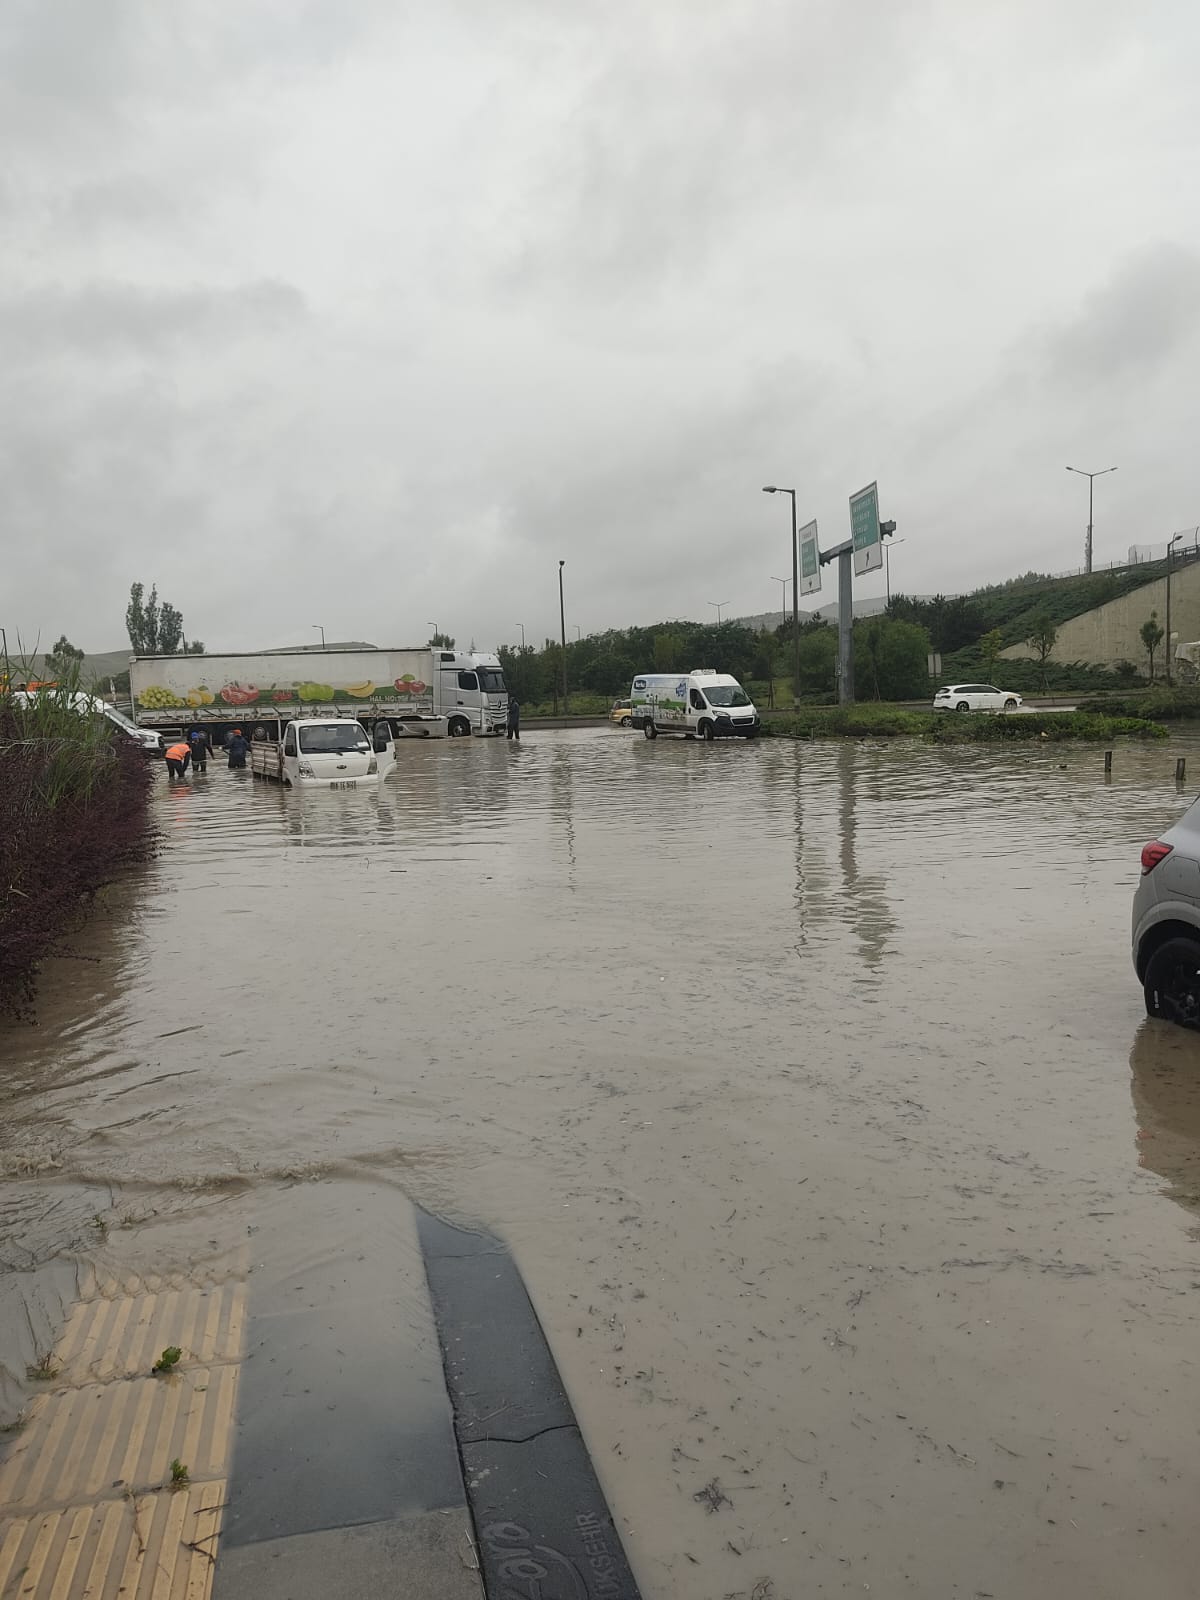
(809, 1083)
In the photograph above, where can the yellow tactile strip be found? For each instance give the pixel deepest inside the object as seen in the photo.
(159, 1546)
(87, 1508)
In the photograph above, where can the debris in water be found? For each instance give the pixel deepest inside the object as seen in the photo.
(712, 1496)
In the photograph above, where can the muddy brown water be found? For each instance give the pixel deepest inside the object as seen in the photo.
(809, 1083)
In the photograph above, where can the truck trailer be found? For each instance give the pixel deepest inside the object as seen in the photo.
(421, 692)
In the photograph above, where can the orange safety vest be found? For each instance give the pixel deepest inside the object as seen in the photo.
(176, 752)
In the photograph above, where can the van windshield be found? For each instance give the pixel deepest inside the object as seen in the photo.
(726, 694)
(339, 741)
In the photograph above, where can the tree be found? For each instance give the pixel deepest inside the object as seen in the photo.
(441, 641)
(194, 647)
(1041, 638)
(64, 660)
(989, 651)
(1152, 637)
(893, 658)
(154, 629)
(170, 629)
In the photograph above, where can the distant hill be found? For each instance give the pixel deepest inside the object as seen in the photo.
(862, 608)
(96, 668)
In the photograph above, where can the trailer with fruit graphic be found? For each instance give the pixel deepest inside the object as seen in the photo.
(422, 692)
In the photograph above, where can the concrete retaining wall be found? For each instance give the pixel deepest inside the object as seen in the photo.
(1111, 633)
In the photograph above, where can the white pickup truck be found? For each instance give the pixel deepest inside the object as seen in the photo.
(327, 753)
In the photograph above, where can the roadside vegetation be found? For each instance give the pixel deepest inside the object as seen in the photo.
(74, 810)
(944, 727)
(1159, 703)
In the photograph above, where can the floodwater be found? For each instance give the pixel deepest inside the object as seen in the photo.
(810, 1084)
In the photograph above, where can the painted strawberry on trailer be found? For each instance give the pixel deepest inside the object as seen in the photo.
(409, 685)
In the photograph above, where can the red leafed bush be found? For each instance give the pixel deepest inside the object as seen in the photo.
(73, 813)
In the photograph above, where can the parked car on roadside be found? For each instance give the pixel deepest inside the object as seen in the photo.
(1166, 922)
(975, 697)
(622, 712)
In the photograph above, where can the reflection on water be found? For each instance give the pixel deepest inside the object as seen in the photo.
(1165, 1063)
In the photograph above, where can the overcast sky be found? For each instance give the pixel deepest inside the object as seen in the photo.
(365, 313)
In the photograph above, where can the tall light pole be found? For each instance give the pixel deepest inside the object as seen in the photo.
(521, 625)
(562, 622)
(887, 565)
(1170, 548)
(783, 583)
(321, 631)
(1091, 477)
(718, 606)
(578, 632)
(434, 626)
(770, 488)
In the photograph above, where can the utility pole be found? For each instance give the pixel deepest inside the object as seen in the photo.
(771, 488)
(562, 620)
(521, 625)
(783, 583)
(1091, 477)
(1170, 549)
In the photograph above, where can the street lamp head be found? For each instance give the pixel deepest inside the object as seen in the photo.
(770, 488)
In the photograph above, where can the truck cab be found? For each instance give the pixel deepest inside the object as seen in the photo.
(327, 752)
(473, 696)
(703, 704)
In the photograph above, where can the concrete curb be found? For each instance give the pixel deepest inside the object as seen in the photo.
(544, 1529)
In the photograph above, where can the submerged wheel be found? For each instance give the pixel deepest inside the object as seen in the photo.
(459, 728)
(1172, 984)
(705, 731)
(649, 729)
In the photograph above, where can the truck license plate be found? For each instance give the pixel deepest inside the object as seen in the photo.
(344, 783)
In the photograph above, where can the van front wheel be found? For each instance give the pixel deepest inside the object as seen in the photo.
(705, 731)
(649, 729)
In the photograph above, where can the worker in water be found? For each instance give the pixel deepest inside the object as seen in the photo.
(514, 718)
(200, 741)
(178, 755)
(237, 746)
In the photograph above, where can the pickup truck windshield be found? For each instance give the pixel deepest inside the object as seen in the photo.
(726, 694)
(334, 741)
(491, 680)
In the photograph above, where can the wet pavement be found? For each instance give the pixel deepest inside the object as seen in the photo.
(809, 1084)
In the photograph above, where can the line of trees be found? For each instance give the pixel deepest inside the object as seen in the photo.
(891, 655)
(155, 627)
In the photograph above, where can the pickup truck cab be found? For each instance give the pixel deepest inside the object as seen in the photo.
(326, 752)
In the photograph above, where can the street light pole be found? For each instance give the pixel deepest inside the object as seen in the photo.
(434, 626)
(1090, 476)
(718, 606)
(783, 583)
(521, 625)
(770, 488)
(1170, 547)
(321, 631)
(562, 621)
(887, 566)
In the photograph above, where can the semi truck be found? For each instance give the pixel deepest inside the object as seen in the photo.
(422, 692)
(701, 705)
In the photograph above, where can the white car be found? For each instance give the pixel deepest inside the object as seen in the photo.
(975, 697)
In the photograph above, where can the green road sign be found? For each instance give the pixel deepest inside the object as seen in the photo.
(864, 530)
(810, 559)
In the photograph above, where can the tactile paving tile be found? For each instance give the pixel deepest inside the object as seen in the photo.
(87, 1509)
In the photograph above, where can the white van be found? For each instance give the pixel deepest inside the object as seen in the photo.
(91, 705)
(702, 705)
